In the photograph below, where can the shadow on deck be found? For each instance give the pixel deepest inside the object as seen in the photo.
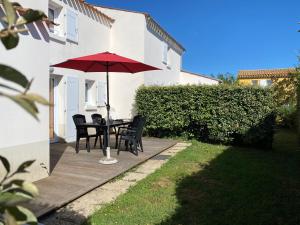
(73, 175)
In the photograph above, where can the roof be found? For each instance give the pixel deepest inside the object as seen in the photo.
(201, 75)
(111, 20)
(266, 73)
(162, 32)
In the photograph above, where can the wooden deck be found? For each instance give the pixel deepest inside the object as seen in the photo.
(73, 175)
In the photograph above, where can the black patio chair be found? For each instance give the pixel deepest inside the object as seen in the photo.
(133, 124)
(133, 136)
(97, 118)
(82, 132)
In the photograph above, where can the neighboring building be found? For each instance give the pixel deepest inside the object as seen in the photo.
(194, 78)
(264, 78)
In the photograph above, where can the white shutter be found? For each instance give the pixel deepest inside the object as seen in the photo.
(165, 53)
(72, 26)
(102, 93)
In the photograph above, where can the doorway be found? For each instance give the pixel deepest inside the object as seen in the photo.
(53, 109)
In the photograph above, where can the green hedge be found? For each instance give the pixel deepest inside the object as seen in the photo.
(224, 114)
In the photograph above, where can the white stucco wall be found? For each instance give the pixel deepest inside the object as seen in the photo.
(93, 37)
(169, 74)
(191, 78)
(127, 39)
(21, 136)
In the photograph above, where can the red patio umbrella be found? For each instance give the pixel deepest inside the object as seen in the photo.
(106, 62)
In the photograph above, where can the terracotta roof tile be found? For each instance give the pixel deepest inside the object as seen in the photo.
(266, 73)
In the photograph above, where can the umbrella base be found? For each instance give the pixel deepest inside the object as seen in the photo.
(108, 161)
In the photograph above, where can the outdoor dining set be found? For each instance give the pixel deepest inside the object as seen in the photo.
(124, 130)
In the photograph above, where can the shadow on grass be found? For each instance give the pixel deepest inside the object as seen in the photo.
(243, 186)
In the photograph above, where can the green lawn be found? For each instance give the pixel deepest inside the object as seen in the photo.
(215, 185)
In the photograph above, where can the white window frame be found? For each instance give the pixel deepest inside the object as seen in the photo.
(89, 93)
(57, 31)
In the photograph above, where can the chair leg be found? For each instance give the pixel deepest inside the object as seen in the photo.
(117, 136)
(95, 141)
(119, 146)
(77, 145)
(135, 147)
(101, 145)
(141, 144)
(88, 144)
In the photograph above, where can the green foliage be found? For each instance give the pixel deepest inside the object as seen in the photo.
(14, 192)
(227, 114)
(227, 78)
(10, 39)
(287, 116)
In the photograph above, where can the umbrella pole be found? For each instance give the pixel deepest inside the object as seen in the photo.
(108, 159)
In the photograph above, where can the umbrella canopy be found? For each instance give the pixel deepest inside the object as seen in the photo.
(106, 62)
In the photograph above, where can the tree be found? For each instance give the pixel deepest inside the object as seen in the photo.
(227, 78)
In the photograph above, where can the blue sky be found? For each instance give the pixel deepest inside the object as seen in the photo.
(227, 35)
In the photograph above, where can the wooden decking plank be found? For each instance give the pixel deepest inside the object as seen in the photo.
(73, 174)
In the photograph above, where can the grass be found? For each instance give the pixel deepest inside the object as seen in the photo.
(215, 185)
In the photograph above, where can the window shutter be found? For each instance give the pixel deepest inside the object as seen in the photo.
(165, 53)
(101, 93)
(72, 26)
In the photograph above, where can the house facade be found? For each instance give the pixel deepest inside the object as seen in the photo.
(264, 78)
(81, 29)
(189, 78)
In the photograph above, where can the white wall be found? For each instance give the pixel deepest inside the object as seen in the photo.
(191, 78)
(93, 37)
(127, 39)
(169, 74)
(22, 137)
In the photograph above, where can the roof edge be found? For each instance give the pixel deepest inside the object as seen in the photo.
(148, 18)
(91, 6)
(201, 75)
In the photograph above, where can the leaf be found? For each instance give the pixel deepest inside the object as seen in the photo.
(11, 40)
(36, 98)
(9, 219)
(26, 104)
(11, 199)
(30, 16)
(26, 186)
(5, 163)
(22, 168)
(22, 215)
(10, 12)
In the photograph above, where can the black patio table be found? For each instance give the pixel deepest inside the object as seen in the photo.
(114, 123)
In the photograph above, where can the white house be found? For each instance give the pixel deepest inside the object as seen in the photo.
(82, 29)
(198, 79)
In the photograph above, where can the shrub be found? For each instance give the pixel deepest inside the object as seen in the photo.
(287, 116)
(224, 114)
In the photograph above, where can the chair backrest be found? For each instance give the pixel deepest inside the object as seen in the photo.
(80, 119)
(97, 118)
(140, 126)
(135, 121)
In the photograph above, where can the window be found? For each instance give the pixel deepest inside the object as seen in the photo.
(254, 82)
(269, 82)
(55, 14)
(88, 93)
(72, 26)
(165, 53)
